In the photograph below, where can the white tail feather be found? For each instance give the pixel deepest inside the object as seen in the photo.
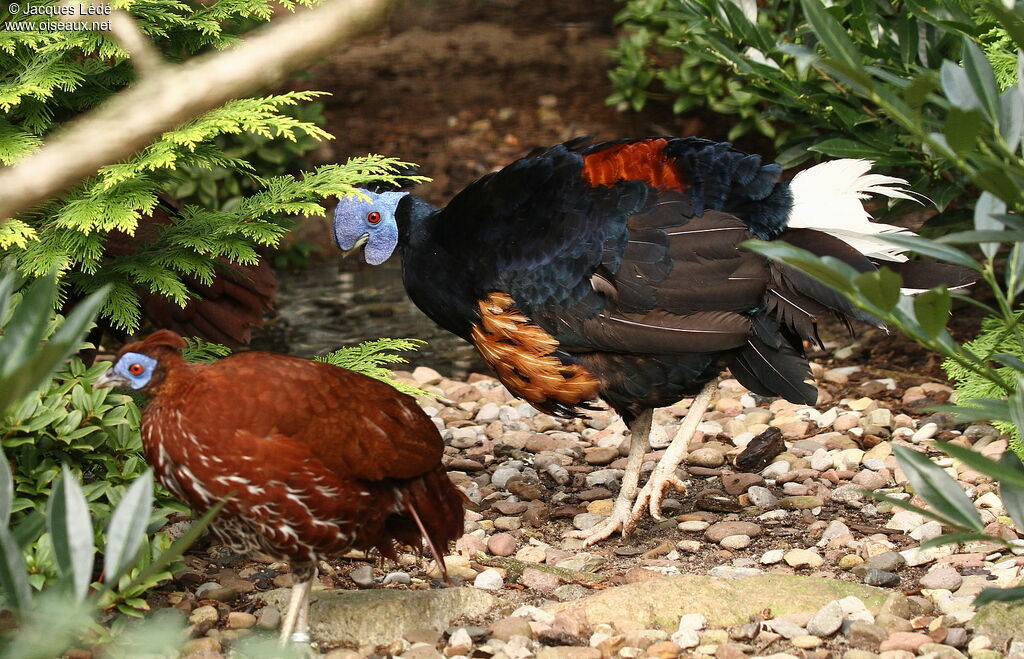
(827, 197)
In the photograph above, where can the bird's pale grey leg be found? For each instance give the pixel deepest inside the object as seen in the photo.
(297, 618)
(664, 474)
(639, 432)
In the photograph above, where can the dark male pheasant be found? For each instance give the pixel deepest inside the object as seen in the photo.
(613, 270)
(312, 460)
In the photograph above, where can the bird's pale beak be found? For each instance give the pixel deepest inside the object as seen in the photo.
(360, 241)
(110, 379)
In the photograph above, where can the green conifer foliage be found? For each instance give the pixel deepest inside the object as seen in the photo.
(48, 78)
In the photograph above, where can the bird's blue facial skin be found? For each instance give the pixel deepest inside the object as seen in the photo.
(136, 368)
(375, 219)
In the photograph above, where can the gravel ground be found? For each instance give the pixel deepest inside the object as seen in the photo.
(531, 478)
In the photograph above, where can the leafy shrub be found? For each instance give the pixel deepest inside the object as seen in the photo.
(951, 506)
(370, 357)
(764, 58)
(994, 338)
(241, 192)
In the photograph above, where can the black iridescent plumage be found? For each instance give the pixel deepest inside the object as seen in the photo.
(641, 285)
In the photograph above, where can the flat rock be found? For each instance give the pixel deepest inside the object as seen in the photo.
(716, 532)
(663, 601)
(380, 616)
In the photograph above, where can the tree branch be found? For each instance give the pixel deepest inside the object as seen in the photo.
(144, 56)
(171, 95)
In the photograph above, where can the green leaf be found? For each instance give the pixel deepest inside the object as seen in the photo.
(900, 503)
(931, 309)
(999, 595)
(999, 471)
(1016, 403)
(1011, 490)
(71, 536)
(880, 287)
(961, 129)
(128, 527)
(842, 147)
(986, 207)
(833, 36)
(13, 576)
(940, 491)
(957, 87)
(982, 80)
(828, 271)
(956, 539)
(973, 237)
(933, 249)
(178, 547)
(6, 490)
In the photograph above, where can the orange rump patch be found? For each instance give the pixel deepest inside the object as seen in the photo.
(633, 161)
(522, 355)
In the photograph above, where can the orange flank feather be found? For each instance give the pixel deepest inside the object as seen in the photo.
(523, 356)
(642, 160)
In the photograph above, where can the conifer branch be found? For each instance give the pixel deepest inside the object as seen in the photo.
(135, 117)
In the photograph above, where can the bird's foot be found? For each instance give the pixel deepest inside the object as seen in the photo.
(614, 522)
(651, 496)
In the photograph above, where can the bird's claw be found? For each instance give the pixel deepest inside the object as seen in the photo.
(603, 530)
(651, 496)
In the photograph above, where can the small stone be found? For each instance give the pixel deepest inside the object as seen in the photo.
(501, 544)
(203, 614)
(586, 521)
(943, 651)
(663, 650)
(806, 641)
(943, 576)
(362, 575)
(876, 577)
(762, 497)
(686, 638)
(866, 636)
(268, 617)
(827, 620)
(905, 641)
(800, 503)
(735, 541)
(600, 455)
(772, 556)
(706, 457)
(738, 483)
(506, 628)
(717, 532)
(786, 628)
(241, 620)
(543, 582)
(803, 558)
(399, 578)
(888, 561)
(424, 375)
(694, 621)
(489, 580)
(850, 561)
(569, 592)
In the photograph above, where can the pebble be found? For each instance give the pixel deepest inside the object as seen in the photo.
(400, 578)
(876, 577)
(735, 541)
(772, 556)
(943, 576)
(706, 457)
(362, 575)
(803, 558)
(762, 497)
(827, 620)
(686, 638)
(268, 617)
(501, 544)
(203, 614)
(800, 502)
(489, 580)
(721, 530)
(241, 620)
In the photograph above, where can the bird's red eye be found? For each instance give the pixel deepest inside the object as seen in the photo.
(136, 369)
(373, 217)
